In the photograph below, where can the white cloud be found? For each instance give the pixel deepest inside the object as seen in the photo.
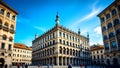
(40, 28)
(97, 30)
(87, 17)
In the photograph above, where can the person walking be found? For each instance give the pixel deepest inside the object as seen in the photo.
(18, 65)
(26, 66)
(69, 66)
(6, 66)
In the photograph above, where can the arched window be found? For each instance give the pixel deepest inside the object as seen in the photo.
(116, 22)
(106, 46)
(113, 12)
(2, 11)
(8, 14)
(104, 28)
(109, 25)
(53, 42)
(105, 37)
(114, 45)
(102, 19)
(60, 50)
(2, 54)
(118, 31)
(60, 41)
(64, 50)
(4, 37)
(13, 17)
(12, 27)
(67, 51)
(111, 35)
(107, 16)
(6, 25)
(10, 39)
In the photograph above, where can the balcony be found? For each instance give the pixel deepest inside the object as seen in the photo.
(2, 50)
(12, 31)
(5, 28)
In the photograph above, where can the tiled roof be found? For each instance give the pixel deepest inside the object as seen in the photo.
(21, 46)
(96, 47)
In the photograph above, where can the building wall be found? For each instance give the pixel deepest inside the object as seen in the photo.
(110, 24)
(7, 30)
(60, 46)
(21, 56)
(98, 56)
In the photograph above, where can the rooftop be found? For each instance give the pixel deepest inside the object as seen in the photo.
(22, 46)
(4, 4)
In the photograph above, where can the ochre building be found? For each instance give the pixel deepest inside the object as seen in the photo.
(21, 54)
(97, 54)
(7, 31)
(110, 24)
(60, 46)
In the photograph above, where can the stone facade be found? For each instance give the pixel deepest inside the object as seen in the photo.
(110, 24)
(60, 46)
(97, 54)
(7, 30)
(21, 54)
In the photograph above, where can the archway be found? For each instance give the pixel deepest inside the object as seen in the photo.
(108, 61)
(115, 61)
(2, 61)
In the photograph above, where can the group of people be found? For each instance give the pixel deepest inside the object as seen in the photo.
(23, 66)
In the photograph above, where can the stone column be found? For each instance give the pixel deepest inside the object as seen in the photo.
(62, 61)
(65, 60)
(57, 60)
(52, 60)
(69, 60)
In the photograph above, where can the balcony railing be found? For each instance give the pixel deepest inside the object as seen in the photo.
(5, 28)
(12, 31)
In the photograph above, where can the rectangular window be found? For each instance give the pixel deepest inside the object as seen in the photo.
(9, 47)
(107, 16)
(2, 11)
(102, 19)
(60, 34)
(106, 46)
(3, 46)
(113, 12)
(114, 45)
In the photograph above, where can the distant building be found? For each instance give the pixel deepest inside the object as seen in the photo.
(21, 54)
(110, 24)
(60, 46)
(7, 31)
(97, 54)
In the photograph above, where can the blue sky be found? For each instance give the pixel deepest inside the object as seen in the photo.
(39, 16)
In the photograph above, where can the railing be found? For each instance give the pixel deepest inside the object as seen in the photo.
(5, 28)
(12, 31)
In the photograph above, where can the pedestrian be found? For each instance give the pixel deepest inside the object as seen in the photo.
(52, 65)
(48, 66)
(23, 66)
(18, 65)
(69, 66)
(6, 66)
(81, 65)
(26, 66)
